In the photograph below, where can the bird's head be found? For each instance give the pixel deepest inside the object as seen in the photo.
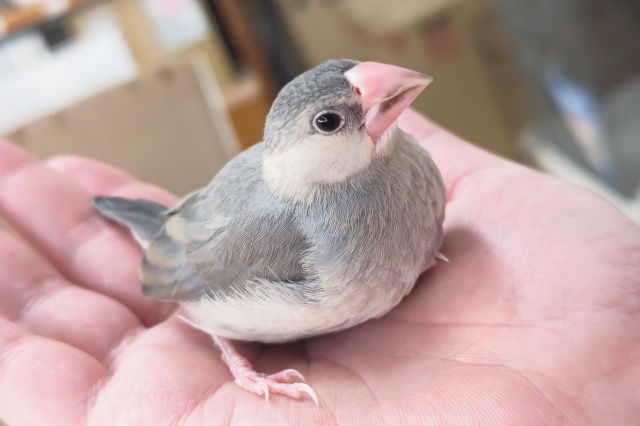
(332, 121)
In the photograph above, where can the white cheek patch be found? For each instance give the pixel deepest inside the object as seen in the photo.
(316, 159)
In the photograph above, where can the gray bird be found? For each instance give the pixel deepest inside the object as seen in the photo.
(324, 225)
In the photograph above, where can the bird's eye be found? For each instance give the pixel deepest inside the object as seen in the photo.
(328, 122)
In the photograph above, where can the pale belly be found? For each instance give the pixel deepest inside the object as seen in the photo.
(280, 316)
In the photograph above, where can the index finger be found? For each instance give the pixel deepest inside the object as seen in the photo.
(57, 216)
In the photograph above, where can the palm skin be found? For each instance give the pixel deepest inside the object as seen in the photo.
(535, 320)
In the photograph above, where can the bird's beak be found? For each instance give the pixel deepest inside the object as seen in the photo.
(385, 92)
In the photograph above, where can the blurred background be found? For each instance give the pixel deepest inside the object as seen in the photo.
(171, 89)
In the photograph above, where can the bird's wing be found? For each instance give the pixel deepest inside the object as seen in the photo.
(220, 237)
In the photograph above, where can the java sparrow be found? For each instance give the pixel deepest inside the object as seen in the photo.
(324, 225)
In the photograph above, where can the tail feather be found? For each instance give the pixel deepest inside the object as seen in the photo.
(142, 217)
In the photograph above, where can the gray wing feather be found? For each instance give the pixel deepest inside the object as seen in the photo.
(144, 218)
(232, 231)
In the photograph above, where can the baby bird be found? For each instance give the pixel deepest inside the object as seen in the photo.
(324, 225)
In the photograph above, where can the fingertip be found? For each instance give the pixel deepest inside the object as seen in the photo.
(98, 178)
(67, 161)
(94, 176)
(12, 155)
(7, 144)
(77, 165)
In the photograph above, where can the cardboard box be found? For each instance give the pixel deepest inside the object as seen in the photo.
(157, 35)
(476, 90)
(170, 128)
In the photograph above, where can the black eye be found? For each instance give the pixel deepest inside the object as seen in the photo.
(328, 122)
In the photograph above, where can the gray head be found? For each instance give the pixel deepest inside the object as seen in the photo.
(332, 121)
(301, 103)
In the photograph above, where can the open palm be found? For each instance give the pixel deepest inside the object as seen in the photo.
(535, 320)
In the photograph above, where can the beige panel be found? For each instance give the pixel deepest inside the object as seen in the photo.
(169, 128)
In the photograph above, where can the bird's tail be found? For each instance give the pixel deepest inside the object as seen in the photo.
(143, 218)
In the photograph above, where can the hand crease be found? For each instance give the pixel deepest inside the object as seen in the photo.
(92, 396)
(370, 389)
(45, 289)
(120, 345)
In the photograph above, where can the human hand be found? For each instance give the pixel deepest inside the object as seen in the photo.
(535, 320)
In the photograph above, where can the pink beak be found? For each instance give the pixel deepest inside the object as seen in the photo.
(385, 91)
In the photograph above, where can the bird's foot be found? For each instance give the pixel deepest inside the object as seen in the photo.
(442, 257)
(263, 384)
(279, 383)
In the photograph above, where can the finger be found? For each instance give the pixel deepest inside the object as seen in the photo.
(42, 380)
(57, 216)
(101, 179)
(34, 295)
(457, 160)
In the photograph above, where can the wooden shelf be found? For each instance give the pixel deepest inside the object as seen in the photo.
(24, 17)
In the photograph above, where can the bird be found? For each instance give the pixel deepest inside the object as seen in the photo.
(325, 224)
